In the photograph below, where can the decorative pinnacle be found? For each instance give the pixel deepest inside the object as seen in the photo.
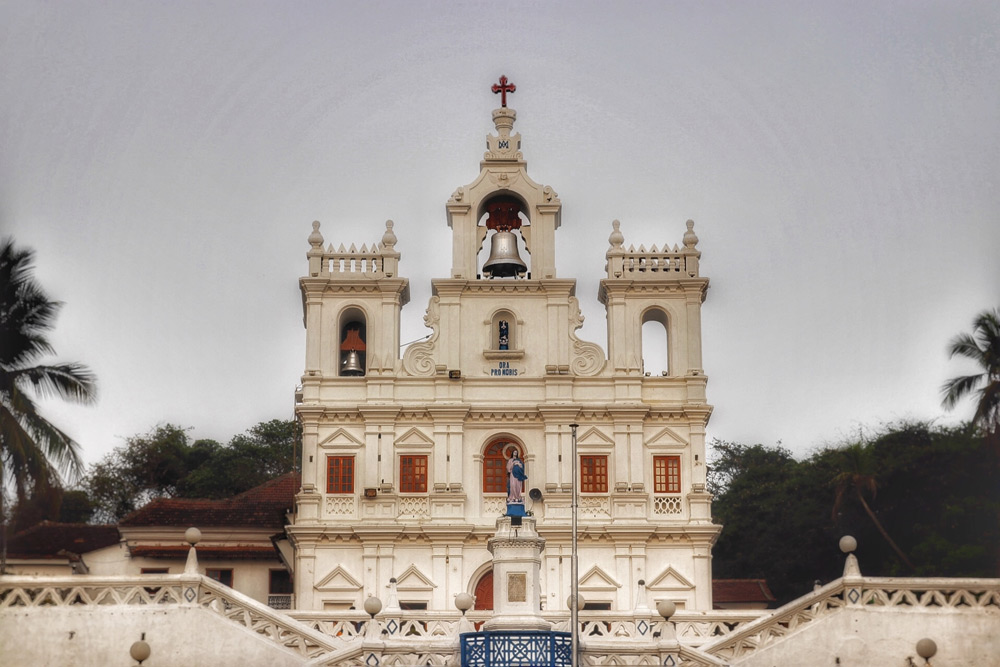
(503, 88)
(389, 238)
(316, 238)
(617, 238)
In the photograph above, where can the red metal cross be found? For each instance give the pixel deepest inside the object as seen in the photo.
(503, 88)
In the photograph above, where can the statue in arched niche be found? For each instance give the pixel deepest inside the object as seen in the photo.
(516, 477)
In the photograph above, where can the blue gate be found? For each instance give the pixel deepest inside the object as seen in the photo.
(516, 648)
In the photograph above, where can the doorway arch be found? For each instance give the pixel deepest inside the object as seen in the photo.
(484, 592)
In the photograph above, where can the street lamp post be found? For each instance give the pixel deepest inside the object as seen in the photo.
(574, 610)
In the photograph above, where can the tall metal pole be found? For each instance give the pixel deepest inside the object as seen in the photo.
(574, 569)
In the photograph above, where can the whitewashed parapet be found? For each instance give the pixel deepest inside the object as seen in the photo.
(654, 263)
(381, 260)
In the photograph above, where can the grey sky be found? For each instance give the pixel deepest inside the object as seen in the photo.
(841, 162)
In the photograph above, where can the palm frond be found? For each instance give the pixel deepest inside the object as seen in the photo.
(956, 389)
(964, 345)
(72, 382)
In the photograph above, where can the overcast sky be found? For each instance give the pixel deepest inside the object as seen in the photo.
(841, 161)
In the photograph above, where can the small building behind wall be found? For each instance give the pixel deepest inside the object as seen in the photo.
(240, 545)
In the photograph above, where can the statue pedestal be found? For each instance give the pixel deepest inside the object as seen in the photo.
(517, 561)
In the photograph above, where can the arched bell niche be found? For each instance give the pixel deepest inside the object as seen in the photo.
(504, 253)
(352, 345)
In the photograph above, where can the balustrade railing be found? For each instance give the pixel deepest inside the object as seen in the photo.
(160, 591)
(857, 592)
(726, 635)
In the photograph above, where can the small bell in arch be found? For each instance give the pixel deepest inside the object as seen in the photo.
(352, 364)
(504, 260)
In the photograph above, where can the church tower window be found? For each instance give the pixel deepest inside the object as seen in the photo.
(594, 474)
(495, 465)
(666, 474)
(503, 217)
(353, 334)
(413, 473)
(340, 474)
(655, 342)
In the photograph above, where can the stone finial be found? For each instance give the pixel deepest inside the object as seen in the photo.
(192, 536)
(316, 238)
(847, 545)
(389, 238)
(617, 238)
(690, 238)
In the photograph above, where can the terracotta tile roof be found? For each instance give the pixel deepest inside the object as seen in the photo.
(741, 590)
(179, 552)
(48, 538)
(263, 506)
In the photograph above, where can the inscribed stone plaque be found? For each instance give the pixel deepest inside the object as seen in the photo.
(517, 582)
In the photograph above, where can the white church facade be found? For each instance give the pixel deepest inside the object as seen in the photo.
(404, 455)
(410, 538)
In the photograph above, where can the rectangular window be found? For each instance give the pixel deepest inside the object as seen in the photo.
(666, 474)
(413, 474)
(154, 570)
(340, 474)
(223, 576)
(280, 582)
(594, 474)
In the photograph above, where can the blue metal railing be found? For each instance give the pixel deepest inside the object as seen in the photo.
(516, 648)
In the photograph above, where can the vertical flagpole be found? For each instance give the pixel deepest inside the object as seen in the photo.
(574, 568)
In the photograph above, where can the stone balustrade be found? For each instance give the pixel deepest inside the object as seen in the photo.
(345, 637)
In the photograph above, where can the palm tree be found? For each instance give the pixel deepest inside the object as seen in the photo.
(983, 347)
(856, 476)
(32, 450)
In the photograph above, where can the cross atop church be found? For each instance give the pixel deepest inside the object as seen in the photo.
(503, 88)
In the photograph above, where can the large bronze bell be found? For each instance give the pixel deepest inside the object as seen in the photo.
(351, 366)
(504, 260)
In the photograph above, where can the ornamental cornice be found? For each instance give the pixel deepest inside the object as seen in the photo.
(442, 412)
(624, 412)
(558, 413)
(515, 543)
(481, 416)
(377, 413)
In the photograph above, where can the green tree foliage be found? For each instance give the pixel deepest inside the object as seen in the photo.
(262, 453)
(32, 450)
(775, 516)
(932, 488)
(982, 347)
(165, 463)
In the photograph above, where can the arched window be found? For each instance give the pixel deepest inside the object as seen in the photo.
(351, 345)
(655, 343)
(495, 465)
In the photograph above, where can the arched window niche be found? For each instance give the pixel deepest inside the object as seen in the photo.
(504, 336)
(352, 343)
(495, 456)
(655, 343)
(505, 238)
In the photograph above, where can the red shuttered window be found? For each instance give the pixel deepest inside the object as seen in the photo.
(340, 474)
(594, 474)
(413, 474)
(666, 474)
